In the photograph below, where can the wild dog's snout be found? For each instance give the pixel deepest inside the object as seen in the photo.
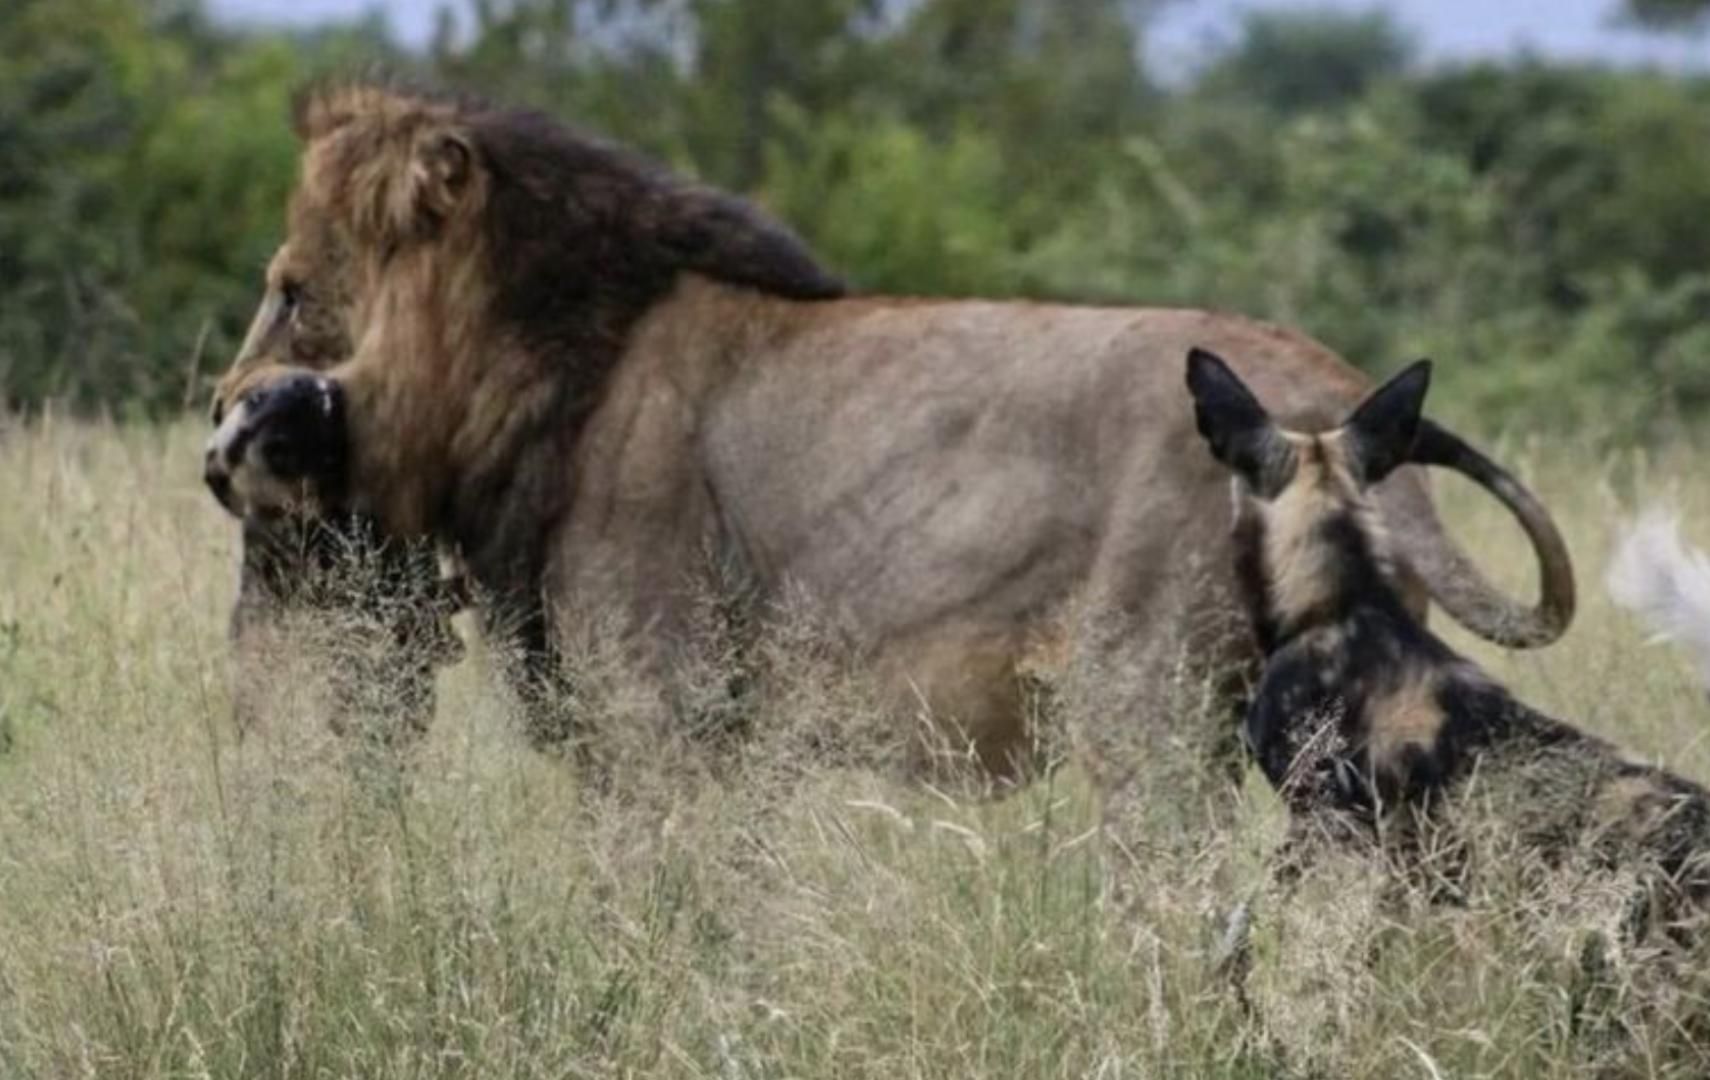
(217, 476)
(222, 455)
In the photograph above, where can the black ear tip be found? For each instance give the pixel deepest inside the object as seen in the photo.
(1412, 381)
(1419, 373)
(1203, 364)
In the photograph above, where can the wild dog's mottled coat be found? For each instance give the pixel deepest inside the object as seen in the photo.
(1365, 718)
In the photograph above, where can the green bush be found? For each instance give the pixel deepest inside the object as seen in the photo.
(1538, 227)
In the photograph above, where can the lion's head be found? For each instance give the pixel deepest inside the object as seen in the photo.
(304, 317)
(489, 265)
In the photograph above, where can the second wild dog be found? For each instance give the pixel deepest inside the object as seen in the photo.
(1365, 722)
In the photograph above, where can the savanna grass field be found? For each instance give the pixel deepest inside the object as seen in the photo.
(177, 901)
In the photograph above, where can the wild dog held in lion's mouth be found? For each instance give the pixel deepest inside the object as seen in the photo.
(305, 556)
(607, 389)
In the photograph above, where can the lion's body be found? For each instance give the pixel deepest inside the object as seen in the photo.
(963, 486)
(607, 390)
(974, 494)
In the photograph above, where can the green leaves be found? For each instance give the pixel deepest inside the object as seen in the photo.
(1537, 226)
(1681, 15)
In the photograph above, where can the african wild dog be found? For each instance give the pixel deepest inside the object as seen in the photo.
(1364, 721)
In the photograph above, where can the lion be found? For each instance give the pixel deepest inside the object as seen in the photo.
(608, 389)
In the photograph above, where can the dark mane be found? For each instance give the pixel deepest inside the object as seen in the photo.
(572, 214)
(580, 240)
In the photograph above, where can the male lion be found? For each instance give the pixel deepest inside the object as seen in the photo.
(601, 386)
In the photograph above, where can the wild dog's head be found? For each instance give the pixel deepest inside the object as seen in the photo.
(280, 448)
(1308, 541)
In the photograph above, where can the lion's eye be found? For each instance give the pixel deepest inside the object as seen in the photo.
(290, 296)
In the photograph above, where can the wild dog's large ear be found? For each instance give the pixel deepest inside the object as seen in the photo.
(1381, 433)
(1239, 431)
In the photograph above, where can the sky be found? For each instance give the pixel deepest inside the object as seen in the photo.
(1447, 29)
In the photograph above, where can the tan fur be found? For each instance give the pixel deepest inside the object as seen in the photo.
(961, 686)
(1294, 558)
(1623, 803)
(1407, 718)
(944, 475)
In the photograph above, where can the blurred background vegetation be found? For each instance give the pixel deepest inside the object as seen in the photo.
(1542, 227)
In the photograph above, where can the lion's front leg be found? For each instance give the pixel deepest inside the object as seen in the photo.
(647, 608)
(643, 652)
(371, 615)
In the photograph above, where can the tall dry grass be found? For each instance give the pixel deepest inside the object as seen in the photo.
(177, 902)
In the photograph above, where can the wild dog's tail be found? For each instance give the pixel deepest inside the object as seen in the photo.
(1665, 583)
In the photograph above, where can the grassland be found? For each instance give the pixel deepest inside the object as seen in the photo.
(177, 902)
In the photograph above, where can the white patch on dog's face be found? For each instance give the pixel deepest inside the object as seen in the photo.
(219, 469)
(235, 471)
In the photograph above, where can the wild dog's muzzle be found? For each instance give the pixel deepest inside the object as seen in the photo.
(282, 446)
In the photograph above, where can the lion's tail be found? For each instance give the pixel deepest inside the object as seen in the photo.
(1665, 583)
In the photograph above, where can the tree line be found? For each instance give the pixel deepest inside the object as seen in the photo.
(1541, 228)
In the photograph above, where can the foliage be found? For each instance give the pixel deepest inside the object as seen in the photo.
(144, 169)
(1539, 227)
(1293, 61)
(1669, 14)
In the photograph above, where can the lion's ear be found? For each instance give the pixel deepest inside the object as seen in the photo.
(440, 168)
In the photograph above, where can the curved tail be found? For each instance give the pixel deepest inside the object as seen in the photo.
(1457, 585)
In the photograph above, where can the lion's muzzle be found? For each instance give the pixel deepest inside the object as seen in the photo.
(282, 446)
